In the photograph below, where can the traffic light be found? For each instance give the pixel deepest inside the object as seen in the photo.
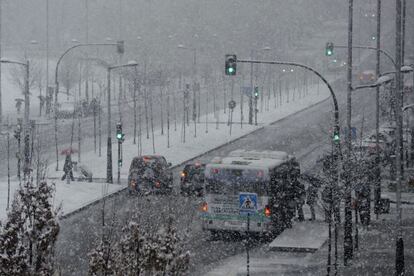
(120, 48)
(119, 135)
(329, 49)
(256, 92)
(336, 137)
(231, 65)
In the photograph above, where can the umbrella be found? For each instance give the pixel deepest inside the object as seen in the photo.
(68, 151)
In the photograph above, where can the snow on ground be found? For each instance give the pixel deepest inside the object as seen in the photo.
(76, 194)
(178, 151)
(72, 196)
(303, 236)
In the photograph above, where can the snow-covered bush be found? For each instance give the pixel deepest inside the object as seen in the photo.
(28, 237)
(139, 252)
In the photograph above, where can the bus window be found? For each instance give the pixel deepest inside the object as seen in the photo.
(233, 181)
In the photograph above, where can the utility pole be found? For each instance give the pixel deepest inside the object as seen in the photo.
(135, 103)
(251, 92)
(1, 103)
(377, 188)
(87, 55)
(404, 8)
(348, 242)
(399, 256)
(26, 169)
(47, 47)
(109, 142)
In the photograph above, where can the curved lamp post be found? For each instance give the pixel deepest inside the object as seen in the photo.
(57, 84)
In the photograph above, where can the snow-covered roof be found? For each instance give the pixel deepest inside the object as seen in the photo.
(281, 155)
(242, 162)
(252, 159)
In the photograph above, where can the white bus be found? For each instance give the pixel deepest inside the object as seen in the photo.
(270, 174)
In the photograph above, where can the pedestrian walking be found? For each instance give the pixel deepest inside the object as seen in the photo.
(300, 199)
(311, 198)
(67, 168)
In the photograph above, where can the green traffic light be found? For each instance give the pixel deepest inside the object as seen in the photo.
(329, 53)
(119, 136)
(231, 70)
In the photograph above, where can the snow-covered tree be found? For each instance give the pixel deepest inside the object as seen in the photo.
(28, 238)
(12, 250)
(140, 252)
(102, 258)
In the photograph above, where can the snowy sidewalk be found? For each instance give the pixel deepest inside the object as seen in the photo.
(307, 236)
(299, 241)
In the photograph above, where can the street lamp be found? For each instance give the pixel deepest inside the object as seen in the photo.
(26, 114)
(194, 73)
(57, 84)
(109, 178)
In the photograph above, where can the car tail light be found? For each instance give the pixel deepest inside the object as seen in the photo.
(267, 211)
(204, 207)
(214, 171)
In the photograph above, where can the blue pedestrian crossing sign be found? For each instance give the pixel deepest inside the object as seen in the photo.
(247, 203)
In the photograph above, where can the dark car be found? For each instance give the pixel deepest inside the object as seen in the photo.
(150, 174)
(192, 179)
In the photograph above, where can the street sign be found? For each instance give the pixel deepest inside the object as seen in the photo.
(247, 203)
(232, 104)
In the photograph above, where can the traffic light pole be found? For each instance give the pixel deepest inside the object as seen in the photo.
(251, 93)
(348, 241)
(399, 256)
(26, 169)
(109, 143)
(377, 185)
(119, 161)
(338, 155)
(335, 102)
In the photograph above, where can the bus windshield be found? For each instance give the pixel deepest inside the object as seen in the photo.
(234, 181)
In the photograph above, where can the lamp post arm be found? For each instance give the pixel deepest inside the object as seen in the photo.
(364, 86)
(385, 53)
(57, 87)
(13, 62)
(77, 46)
(407, 107)
(122, 66)
(335, 102)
